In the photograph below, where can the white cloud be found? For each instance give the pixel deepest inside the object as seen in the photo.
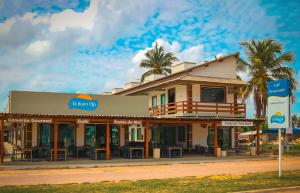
(38, 48)
(5, 27)
(193, 54)
(71, 19)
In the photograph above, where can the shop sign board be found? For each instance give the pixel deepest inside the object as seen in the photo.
(237, 123)
(83, 121)
(279, 104)
(83, 102)
(127, 122)
(26, 120)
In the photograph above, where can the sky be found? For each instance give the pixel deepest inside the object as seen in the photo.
(93, 46)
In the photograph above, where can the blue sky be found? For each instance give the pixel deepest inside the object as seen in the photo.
(93, 46)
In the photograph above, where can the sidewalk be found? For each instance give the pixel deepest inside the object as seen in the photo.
(84, 163)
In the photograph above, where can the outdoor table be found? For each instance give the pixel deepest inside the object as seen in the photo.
(175, 148)
(59, 150)
(136, 148)
(81, 148)
(15, 154)
(98, 149)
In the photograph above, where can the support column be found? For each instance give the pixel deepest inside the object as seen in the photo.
(107, 141)
(55, 141)
(147, 140)
(215, 138)
(2, 141)
(190, 137)
(258, 139)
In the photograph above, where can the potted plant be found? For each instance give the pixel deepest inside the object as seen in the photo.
(223, 151)
(155, 141)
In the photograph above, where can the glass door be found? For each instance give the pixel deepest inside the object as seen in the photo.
(45, 139)
(66, 137)
(224, 138)
(90, 136)
(114, 139)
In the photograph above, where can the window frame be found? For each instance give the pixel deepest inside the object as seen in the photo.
(161, 97)
(213, 87)
(152, 99)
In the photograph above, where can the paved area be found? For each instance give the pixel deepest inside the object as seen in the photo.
(84, 175)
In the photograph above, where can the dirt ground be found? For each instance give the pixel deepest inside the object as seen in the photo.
(84, 175)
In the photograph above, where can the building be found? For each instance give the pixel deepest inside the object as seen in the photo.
(195, 109)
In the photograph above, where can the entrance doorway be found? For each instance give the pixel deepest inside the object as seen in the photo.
(171, 100)
(224, 139)
(66, 138)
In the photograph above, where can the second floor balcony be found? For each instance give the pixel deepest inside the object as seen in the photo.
(196, 108)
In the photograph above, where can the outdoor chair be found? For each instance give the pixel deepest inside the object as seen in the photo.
(124, 152)
(164, 151)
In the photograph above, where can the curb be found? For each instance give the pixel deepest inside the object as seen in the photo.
(55, 165)
(269, 190)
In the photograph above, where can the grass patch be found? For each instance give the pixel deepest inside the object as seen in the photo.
(220, 183)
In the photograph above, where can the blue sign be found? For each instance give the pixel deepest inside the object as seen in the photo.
(279, 88)
(277, 118)
(83, 102)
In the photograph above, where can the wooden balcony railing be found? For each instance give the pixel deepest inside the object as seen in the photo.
(198, 107)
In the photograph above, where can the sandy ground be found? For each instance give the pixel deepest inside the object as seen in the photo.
(82, 175)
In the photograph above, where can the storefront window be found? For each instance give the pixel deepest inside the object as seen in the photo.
(181, 133)
(132, 134)
(210, 137)
(89, 136)
(213, 95)
(224, 138)
(66, 137)
(100, 135)
(45, 139)
(139, 134)
(114, 135)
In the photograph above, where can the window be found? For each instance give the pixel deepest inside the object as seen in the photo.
(181, 133)
(138, 134)
(213, 95)
(163, 99)
(89, 136)
(154, 101)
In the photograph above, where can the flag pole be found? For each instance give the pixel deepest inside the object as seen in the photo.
(279, 153)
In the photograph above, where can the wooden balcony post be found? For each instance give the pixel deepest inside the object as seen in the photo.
(235, 100)
(2, 141)
(55, 141)
(215, 138)
(107, 140)
(147, 140)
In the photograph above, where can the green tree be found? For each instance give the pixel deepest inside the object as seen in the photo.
(157, 61)
(265, 62)
(295, 121)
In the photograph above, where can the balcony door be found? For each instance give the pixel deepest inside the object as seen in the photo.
(171, 100)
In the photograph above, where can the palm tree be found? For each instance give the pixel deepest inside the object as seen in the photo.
(266, 62)
(157, 61)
